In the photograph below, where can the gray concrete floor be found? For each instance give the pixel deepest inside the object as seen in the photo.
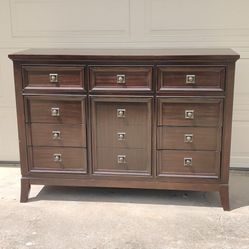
(92, 218)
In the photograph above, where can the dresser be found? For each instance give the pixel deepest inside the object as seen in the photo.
(150, 119)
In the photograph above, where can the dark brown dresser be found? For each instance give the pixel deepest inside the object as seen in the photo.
(151, 119)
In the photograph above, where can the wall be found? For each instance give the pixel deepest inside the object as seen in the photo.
(124, 23)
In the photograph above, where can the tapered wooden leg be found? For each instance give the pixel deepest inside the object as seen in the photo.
(25, 188)
(224, 197)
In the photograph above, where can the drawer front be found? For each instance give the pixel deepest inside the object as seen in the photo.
(189, 138)
(121, 126)
(58, 159)
(204, 164)
(190, 112)
(123, 161)
(53, 77)
(58, 135)
(191, 77)
(56, 111)
(133, 78)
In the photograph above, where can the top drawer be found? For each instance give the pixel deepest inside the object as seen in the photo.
(53, 77)
(121, 78)
(209, 78)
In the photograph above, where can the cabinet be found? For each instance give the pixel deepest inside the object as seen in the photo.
(152, 119)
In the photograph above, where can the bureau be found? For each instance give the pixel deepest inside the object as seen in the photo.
(151, 119)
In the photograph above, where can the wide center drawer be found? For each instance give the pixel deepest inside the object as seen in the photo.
(190, 112)
(121, 78)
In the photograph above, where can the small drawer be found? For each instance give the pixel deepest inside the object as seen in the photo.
(58, 135)
(190, 112)
(58, 159)
(122, 161)
(53, 77)
(204, 164)
(188, 138)
(55, 110)
(117, 78)
(209, 78)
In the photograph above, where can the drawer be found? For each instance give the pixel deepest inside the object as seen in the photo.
(189, 138)
(204, 164)
(121, 78)
(58, 159)
(190, 112)
(50, 77)
(210, 78)
(58, 135)
(56, 110)
(122, 161)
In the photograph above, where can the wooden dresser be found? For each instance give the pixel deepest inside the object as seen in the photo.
(151, 119)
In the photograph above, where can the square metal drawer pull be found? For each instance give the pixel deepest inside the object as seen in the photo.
(190, 79)
(188, 161)
(56, 134)
(55, 111)
(57, 157)
(121, 135)
(53, 77)
(120, 78)
(188, 138)
(121, 113)
(189, 114)
(121, 159)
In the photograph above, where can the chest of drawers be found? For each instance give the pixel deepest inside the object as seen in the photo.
(152, 119)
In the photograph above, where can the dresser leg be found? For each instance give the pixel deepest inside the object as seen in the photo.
(224, 197)
(25, 188)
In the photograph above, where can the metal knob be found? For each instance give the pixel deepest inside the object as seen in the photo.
(121, 159)
(55, 111)
(188, 162)
(121, 113)
(121, 79)
(53, 77)
(189, 114)
(121, 135)
(190, 79)
(57, 157)
(188, 138)
(56, 134)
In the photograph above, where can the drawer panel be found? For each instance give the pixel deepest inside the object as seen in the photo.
(58, 135)
(189, 163)
(53, 77)
(117, 78)
(191, 77)
(190, 112)
(55, 111)
(58, 159)
(122, 161)
(188, 138)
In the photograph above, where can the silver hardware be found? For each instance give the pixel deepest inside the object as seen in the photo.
(120, 78)
(57, 157)
(189, 114)
(187, 161)
(121, 159)
(53, 78)
(121, 135)
(188, 138)
(121, 113)
(56, 134)
(55, 111)
(190, 79)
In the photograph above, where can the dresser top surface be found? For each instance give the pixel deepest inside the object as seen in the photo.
(167, 53)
